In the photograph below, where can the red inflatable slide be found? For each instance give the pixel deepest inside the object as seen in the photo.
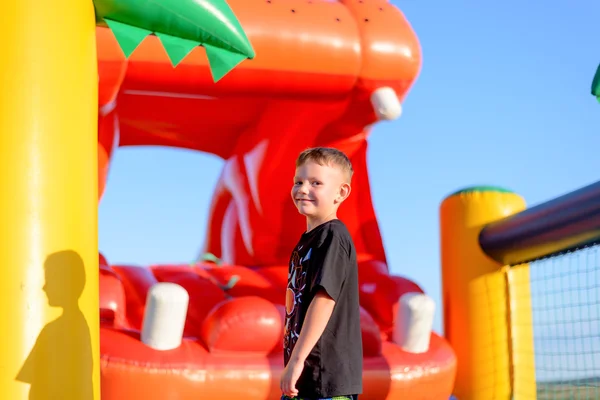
(317, 66)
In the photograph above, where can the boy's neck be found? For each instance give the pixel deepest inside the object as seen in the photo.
(312, 223)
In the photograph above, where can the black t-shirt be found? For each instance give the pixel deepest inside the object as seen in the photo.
(325, 258)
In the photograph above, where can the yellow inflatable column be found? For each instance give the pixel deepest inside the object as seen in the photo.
(521, 321)
(48, 201)
(475, 293)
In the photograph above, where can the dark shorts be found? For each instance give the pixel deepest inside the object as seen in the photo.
(349, 397)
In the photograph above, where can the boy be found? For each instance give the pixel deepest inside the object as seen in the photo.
(322, 341)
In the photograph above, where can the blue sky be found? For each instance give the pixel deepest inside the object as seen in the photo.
(503, 99)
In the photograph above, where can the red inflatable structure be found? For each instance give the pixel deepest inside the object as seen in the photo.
(317, 64)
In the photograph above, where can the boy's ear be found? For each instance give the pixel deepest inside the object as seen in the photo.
(345, 190)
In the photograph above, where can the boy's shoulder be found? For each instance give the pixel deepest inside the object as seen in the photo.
(335, 233)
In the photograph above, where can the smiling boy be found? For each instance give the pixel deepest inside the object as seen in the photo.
(322, 341)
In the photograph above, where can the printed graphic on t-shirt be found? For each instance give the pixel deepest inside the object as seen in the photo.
(293, 297)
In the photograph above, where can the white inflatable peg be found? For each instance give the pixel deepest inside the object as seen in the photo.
(386, 104)
(164, 316)
(414, 322)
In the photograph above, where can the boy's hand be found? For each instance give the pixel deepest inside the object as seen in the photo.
(289, 377)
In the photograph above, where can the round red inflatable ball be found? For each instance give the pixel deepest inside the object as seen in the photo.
(380, 293)
(165, 273)
(136, 282)
(238, 281)
(243, 324)
(112, 299)
(276, 274)
(371, 335)
(367, 266)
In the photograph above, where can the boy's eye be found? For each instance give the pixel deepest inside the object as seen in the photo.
(299, 183)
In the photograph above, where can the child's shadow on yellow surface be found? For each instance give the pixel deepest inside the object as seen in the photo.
(60, 364)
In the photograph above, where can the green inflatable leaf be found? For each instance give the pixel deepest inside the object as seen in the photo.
(221, 61)
(596, 84)
(176, 48)
(231, 283)
(209, 23)
(210, 257)
(129, 37)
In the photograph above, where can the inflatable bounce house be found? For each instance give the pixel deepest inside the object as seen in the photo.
(324, 72)
(251, 81)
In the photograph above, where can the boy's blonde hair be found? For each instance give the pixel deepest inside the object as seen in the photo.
(327, 156)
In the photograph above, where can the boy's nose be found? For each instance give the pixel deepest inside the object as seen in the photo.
(303, 189)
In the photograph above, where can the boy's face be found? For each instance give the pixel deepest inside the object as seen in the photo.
(318, 190)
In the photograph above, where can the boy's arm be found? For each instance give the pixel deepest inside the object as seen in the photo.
(328, 281)
(316, 319)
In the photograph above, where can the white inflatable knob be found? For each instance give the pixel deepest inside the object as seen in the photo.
(386, 104)
(412, 330)
(165, 315)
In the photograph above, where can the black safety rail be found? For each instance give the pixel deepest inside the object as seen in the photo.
(564, 224)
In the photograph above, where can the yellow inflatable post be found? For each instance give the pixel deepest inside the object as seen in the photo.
(521, 328)
(48, 206)
(476, 293)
